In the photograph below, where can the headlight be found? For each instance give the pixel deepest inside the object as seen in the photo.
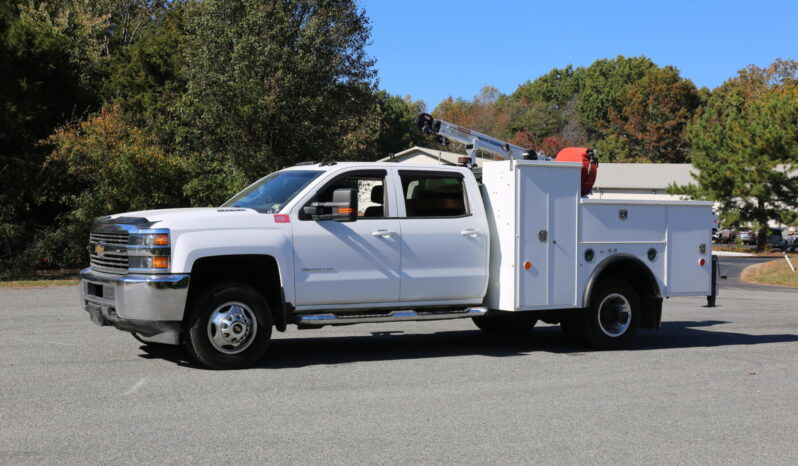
(148, 262)
(151, 239)
(149, 251)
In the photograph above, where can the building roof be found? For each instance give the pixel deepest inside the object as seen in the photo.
(643, 175)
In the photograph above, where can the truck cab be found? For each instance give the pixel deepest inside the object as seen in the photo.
(419, 238)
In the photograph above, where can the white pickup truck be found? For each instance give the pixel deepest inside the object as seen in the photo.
(342, 243)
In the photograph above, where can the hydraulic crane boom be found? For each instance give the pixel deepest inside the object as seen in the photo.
(472, 139)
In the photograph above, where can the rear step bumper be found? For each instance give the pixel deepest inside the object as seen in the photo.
(317, 320)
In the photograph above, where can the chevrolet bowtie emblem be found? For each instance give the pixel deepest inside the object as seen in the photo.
(99, 249)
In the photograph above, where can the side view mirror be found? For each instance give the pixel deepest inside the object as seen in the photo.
(343, 207)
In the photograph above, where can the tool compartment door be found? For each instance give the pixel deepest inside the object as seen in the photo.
(547, 202)
(689, 241)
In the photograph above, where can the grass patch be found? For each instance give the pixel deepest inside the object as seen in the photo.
(29, 283)
(775, 272)
(40, 278)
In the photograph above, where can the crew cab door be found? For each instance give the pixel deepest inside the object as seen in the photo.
(345, 263)
(444, 237)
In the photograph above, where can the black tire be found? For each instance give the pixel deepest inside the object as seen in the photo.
(242, 312)
(612, 319)
(509, 324)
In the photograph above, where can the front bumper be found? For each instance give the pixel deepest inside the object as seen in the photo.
(152, 306)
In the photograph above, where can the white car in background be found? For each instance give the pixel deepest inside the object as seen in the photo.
(781, 238)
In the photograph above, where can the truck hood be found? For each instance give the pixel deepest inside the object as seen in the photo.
(195, 218)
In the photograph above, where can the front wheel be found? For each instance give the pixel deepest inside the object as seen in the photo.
(229, 328)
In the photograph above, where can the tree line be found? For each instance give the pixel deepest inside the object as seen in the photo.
(742, 137)
(117, 105)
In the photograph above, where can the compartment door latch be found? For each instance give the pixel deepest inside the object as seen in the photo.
(543, 235)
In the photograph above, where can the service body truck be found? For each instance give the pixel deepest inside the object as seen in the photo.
(342, 243)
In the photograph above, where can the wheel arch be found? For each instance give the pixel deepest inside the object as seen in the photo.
(635, 272)
(260, 271)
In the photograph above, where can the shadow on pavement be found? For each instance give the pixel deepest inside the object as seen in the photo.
(692, 334)
(287, 353)
(175, 354)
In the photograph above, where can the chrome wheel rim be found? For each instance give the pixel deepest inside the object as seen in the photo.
(614, 315)
(232, 328)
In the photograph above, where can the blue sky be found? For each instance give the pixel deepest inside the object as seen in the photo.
(433, 49)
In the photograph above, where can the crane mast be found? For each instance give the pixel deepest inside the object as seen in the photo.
(472, 140)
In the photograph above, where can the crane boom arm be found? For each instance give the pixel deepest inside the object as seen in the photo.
(472, 140)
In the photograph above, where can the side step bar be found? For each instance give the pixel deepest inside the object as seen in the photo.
(317, 320)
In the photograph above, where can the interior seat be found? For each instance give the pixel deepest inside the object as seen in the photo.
(376, 211)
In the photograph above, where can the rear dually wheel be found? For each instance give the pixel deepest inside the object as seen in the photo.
(611, 320)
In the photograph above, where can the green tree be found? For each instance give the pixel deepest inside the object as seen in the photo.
(129, 20)
(613, 105)
(747, 159)
(604, 84)
(273, 83)
(615, 148)
(146, 76)
(531, 123)
(653, 116)
(49, 56)
(544, 113)
(100, 166)
(398, 123)
(554, 89)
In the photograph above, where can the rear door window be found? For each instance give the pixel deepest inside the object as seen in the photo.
(433, 194)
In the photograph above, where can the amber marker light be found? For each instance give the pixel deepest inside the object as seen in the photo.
(160, 262)
(527, 265)
(160, 240)
(345, 210)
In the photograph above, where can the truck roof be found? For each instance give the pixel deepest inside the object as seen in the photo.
(371, 165)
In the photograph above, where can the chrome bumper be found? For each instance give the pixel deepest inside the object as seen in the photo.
(150, 305)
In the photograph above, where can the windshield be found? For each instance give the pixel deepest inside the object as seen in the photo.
(268, 195)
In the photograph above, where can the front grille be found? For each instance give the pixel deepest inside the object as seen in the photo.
(108, 238)
(113, 258)
(109, 262)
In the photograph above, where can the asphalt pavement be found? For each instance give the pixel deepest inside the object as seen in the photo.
(712, 386)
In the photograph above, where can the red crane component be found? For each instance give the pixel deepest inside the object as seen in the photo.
(589, 162)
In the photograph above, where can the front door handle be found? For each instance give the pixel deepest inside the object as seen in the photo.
(383, 234)
(470, 232)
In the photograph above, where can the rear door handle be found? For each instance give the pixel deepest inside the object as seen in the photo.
(471, 232)
(383, 234)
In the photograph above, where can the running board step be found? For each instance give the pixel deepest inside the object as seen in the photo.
(315, 320)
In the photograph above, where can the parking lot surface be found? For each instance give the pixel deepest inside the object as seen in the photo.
(712, 386)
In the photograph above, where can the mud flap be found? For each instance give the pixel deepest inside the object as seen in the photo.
(714, 286)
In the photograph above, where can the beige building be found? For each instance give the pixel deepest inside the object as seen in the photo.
(647, 181)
